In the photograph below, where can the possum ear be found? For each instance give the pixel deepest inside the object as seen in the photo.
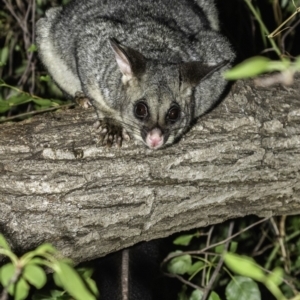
(192, 73)
(205, 82)
(131, 62)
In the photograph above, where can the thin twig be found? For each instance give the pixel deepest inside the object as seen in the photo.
(11, 10)
(125, 274)
(213, 245)
(282, 237)
(260, 242)
(262, 250)
(194, 286)
(27, 42)
(27, 15)
(275, 32)
(282, 42)
(35, 112)
(32, 88)
(206, 255)
(219, 265)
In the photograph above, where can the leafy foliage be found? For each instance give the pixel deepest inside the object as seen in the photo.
(208, 267)
(287, 65)
(20, 69)
(242, 288)
(18, 98)
(17, 276)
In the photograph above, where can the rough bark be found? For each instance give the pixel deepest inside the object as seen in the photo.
(57, 185)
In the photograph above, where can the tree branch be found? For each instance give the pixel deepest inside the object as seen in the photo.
(57, 185)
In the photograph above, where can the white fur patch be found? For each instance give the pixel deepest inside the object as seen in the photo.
(67, 80)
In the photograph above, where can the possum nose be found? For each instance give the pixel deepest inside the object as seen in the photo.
(155, 139)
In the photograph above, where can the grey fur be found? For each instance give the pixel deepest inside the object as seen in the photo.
(121, 52)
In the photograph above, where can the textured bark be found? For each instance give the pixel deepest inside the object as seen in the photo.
(57, 185)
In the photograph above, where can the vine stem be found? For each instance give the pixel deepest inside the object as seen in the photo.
(263, 26)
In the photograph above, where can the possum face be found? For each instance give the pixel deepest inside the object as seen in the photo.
(159, 109)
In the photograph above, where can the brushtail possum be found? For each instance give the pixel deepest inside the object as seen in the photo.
(149, 67)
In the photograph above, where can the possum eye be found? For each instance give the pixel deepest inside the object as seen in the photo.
(173, 114)
(141, 110)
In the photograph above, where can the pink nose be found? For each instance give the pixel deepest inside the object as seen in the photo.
(154, 138)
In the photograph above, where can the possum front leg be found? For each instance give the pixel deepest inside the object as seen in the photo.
(110, 130)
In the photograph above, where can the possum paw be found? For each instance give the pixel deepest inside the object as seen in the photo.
(82, 100)
(111, 132)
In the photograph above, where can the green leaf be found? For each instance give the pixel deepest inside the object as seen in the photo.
(72, 282)
(278, 65)
(36, 261)
(35, 275)
(233, 247)
(22, 289)
(92, 286)
(183, 240)
(249, 68)
(4, 53)
(32, 48)
(43, 102)
(196, 295)
(214, 296)
(3, 243)
(6, 273)
(55, 295)
(297, 63)
(19, 99)
(57, 281)
(46, 78)
(44, 248)
(4, 106)
(182, 294)
(242, 288)
(21, 69)
(85, 272)
(50, 295)
(275, 277)
(196, 267)
(60, 102)
(220, 248)
(244, 266)
(180, 265)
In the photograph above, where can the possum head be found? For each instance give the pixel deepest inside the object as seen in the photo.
(158, 103)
